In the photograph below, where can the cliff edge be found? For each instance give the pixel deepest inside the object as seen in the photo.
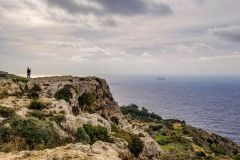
(77, 118)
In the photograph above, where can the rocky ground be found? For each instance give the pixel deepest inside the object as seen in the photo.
(69, 117)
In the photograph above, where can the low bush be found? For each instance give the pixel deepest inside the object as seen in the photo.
(127, 136)
(200, 154)
(135, 145)
(38, 134)
(82, 136)
(96, 133)
(237, 157)
(33, 95)
(36, 88)
(5, 134)
(114, 120)
(155, 127)
(64, 93)
(37, 114)
(162, 140)
(114, 128)
(218, 149)
(133, 111)
(6, 112)
(37, 105)
(20, 79)
(86, 99)
(3, 94)
(58, 118)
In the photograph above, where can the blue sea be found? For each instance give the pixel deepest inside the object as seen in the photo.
(210, 103)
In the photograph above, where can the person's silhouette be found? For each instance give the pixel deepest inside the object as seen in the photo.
(28, 72)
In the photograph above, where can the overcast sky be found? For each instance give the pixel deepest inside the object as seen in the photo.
(120, 36)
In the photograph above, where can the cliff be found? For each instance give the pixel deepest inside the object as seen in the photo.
(77, 118)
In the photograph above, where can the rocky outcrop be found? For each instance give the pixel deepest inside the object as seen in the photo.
(104, 107)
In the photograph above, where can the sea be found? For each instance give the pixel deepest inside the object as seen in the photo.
(211, 103)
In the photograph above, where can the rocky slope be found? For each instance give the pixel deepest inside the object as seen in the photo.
(77, 118)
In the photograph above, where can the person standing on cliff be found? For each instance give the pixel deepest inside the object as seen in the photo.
(28, 72)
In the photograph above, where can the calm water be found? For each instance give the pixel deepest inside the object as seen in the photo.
(211, 103)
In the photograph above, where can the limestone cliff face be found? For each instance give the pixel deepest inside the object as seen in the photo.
(15, 95)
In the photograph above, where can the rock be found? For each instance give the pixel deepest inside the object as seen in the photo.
(9, 86)
(151, 149)
(68, 127)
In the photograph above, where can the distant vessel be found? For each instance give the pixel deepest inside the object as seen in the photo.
(161, 78)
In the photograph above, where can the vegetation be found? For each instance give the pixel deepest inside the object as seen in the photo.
(133, 112)
(20, 79)
(38, 134)
(135, 145)
(87, 99)
(36, 88)
(28, 133)
(37, 105)
(6, 112)
(96, 133)
(58, 118)
(3, 94)
(37, 114)
(114, 120)
(33, 95)
(82, 136)
(64, 93)
(182, 142)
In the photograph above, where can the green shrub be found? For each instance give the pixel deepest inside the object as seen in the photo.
(33, 95)
(6, 112)
(39, 134)
(155, 127)
(5, 134)
(58, 118)
(218, 149)
(114, 120)
(3, 94)
(82, 136)
(96, 133)
(237, 157)
(134, 113)
(64, 93)
(127, 136)
(135, 145)
(36, 88)
(200, 154)
(162, 140)
(114, 128)
(86, 99)
(20, 79)
(37, 105)
(37, 114)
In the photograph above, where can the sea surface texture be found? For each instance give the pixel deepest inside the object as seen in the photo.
(210, 103)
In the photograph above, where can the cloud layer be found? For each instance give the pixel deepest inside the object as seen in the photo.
(105, 7)
(120, 36)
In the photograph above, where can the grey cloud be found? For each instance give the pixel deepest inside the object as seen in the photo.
(231, 33)
(117, 7)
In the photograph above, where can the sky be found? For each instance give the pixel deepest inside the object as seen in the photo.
(85, 37)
